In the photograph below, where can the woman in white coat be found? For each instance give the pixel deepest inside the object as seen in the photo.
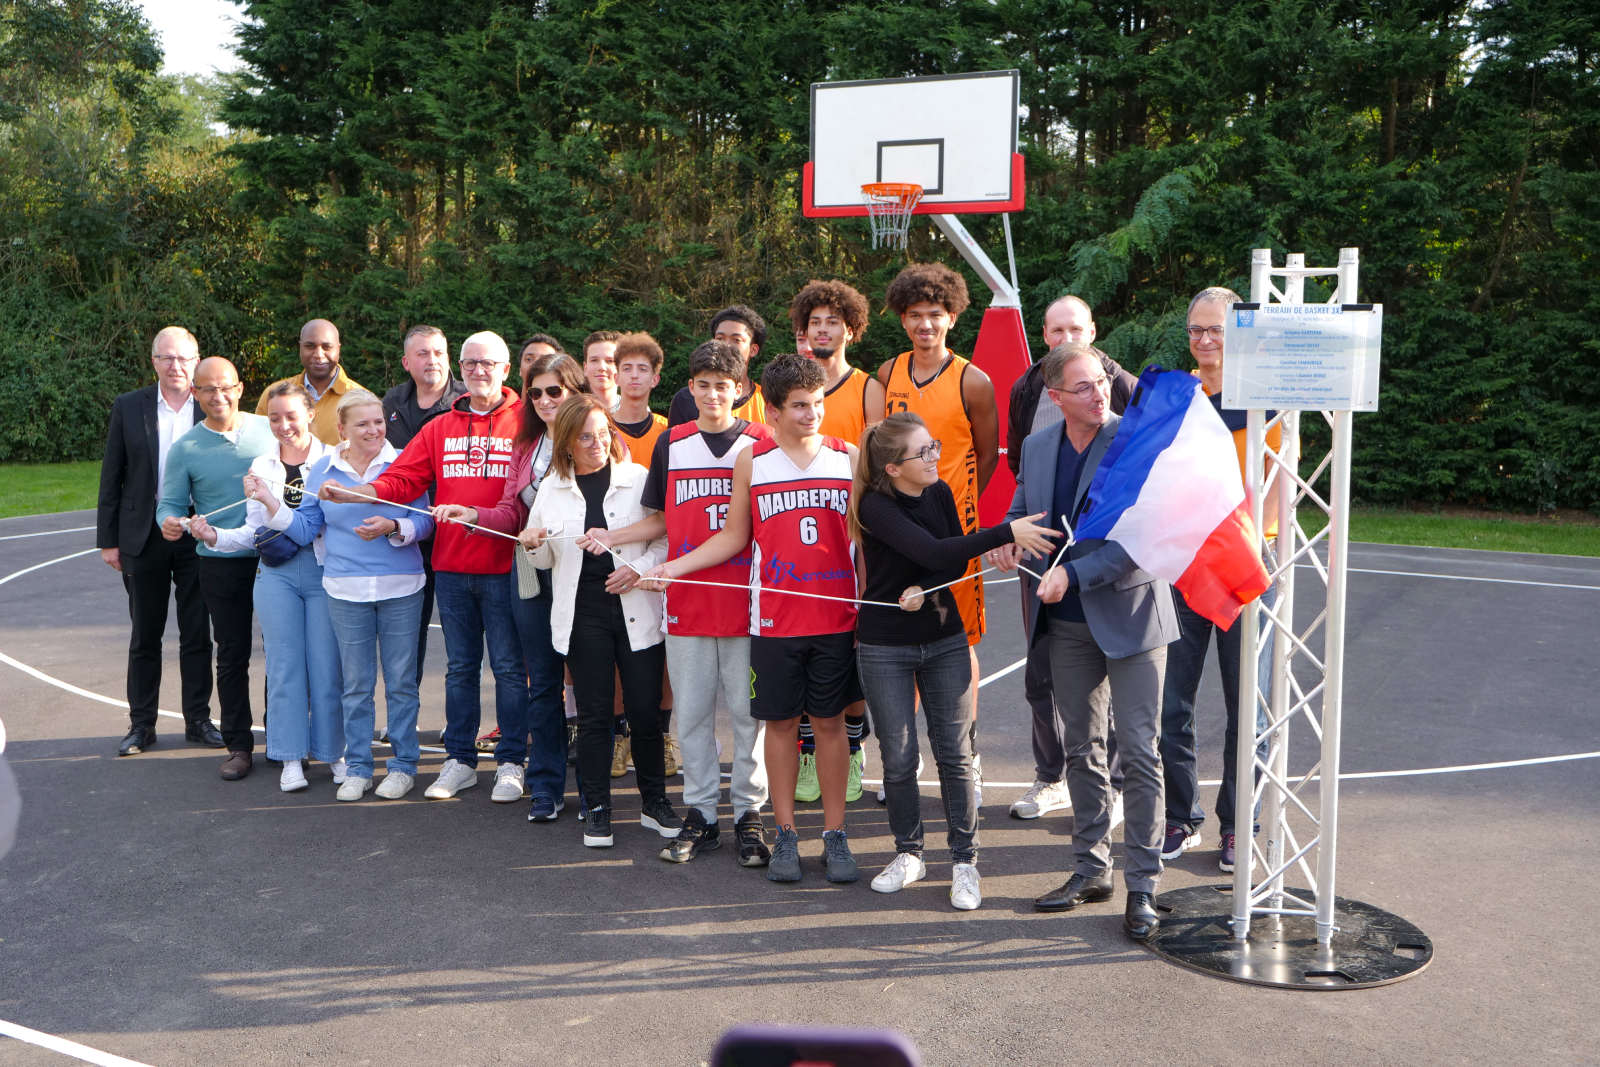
(605, 626)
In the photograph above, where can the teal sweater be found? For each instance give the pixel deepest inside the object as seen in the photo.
(206, 469)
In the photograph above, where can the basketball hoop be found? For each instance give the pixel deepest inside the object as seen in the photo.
(889, 207)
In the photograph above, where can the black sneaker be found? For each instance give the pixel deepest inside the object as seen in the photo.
(659, 816)
(1178, 839)
(785, 865)
(836, 855)
(753, 850)
(572, 743)
(545, 808)
(695, 837)
(597, 828)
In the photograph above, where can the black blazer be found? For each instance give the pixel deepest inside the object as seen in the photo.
(128, 487)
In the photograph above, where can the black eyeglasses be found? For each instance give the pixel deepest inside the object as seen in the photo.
(554, 392)
(929, 451)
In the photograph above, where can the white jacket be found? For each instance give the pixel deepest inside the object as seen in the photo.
(559, 507)
(270, 468)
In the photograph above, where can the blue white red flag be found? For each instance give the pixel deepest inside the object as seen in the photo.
(1169, 492)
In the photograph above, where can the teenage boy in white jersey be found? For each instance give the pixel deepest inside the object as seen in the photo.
(789, 497)
(708, 629)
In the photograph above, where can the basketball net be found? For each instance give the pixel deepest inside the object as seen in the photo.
(889, 208)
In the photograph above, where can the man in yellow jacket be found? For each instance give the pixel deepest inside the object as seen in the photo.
(323, 378)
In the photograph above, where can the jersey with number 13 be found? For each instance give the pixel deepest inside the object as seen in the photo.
(801, 542)
(699, 486)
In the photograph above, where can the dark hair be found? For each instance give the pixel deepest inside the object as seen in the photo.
(540, 339)
(1054, 364)
(563, 366)
(786, 374)
(597, 337)
(420, 330)
(740, 313)
(882, 443)
(718, 357)
(931, 282)
(293, 388)
(570, 417)
(640, 344)
(850, 305)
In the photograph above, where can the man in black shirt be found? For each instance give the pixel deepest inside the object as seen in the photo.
(410, 406)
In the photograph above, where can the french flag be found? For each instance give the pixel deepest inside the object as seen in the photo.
(1168, 491)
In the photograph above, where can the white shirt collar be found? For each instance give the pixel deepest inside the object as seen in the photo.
(386, 455)
(161, 402)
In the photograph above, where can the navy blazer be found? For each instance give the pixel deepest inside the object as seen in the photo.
(1129, 610)
(128, 486)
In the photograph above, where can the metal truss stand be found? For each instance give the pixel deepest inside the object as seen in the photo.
(1260, 930)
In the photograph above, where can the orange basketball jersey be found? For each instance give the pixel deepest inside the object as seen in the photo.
(642, 448)
(752, 410)
(844, 407)
(940, 402)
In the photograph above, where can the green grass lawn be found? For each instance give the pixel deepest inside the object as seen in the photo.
(35, 489)
(40, 488)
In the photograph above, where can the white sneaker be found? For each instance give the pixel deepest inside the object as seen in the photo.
(341, 771)
(454, 776)
(883, 796)
(507, 783)
(395, 785)
(353, 787)
(293, 778)
(905, 869)
(1116, 814)
(1041, 799)
(966, 888)
(977, 787)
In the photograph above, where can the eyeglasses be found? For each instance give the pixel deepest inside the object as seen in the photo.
(479, 366)
(1088, 389)
(587, 439)
(173, 361)
(928, 451)
(218, 390)
(1197, 332)
(554, 392)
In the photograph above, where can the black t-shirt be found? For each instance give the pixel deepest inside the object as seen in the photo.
(594, 486)
(293, 480)
(683, 408)
(654, 495)
(916, 540)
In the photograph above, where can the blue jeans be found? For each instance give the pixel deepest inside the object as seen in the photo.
(544, 713)
(891, 676)
(472, 608)
(366, 631)
(303, 711)
(1186, 659)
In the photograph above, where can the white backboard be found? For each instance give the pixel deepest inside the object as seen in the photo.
(954, 134)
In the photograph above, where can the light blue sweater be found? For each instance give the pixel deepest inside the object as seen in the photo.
(206, 469)
(347, 555)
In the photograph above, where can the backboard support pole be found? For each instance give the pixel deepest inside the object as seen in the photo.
(1005, 294)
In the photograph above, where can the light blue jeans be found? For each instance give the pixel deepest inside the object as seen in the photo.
(366, 631)
(303, 712)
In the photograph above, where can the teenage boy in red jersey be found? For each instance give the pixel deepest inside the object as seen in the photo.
(789, 499)
(466, 453)
(708, 629)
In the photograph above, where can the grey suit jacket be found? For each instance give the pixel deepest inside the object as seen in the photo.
(1129, 610)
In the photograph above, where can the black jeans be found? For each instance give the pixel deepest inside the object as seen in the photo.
(229, 587)
(427, 605)
(598, 653)
(150, 579)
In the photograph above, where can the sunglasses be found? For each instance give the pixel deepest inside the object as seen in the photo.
(554, 392)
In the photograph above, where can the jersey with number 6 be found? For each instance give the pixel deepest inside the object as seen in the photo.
(699, 485)
(801, 542)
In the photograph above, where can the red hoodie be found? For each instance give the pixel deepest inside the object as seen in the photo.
(467, 456)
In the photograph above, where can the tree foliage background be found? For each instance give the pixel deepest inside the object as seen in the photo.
(564, 166)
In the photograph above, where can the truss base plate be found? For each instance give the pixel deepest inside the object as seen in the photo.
(1370, 948)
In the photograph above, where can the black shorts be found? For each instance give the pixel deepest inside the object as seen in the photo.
(794, 676)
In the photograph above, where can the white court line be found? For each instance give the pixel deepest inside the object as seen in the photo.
(46, 533)
(65, 1047)
(46, 563)
(1460, 578)
(1001, 673)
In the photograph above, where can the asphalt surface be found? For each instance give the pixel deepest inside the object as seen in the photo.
(156, 912)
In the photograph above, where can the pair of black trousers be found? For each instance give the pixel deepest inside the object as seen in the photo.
(598, 652)
(229, 587)
(427, 605)
(150, 578)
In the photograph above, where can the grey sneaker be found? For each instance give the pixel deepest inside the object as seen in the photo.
(836, 854)
(785, 863)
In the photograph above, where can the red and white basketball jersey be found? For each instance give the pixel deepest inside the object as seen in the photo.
(699, 486)
(801, 541)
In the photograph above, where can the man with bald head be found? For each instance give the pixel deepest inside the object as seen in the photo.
(323, 378)
(466, 453)
(205, 475)
(144, 425)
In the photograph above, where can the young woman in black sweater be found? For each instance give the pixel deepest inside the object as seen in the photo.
(904, 518)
